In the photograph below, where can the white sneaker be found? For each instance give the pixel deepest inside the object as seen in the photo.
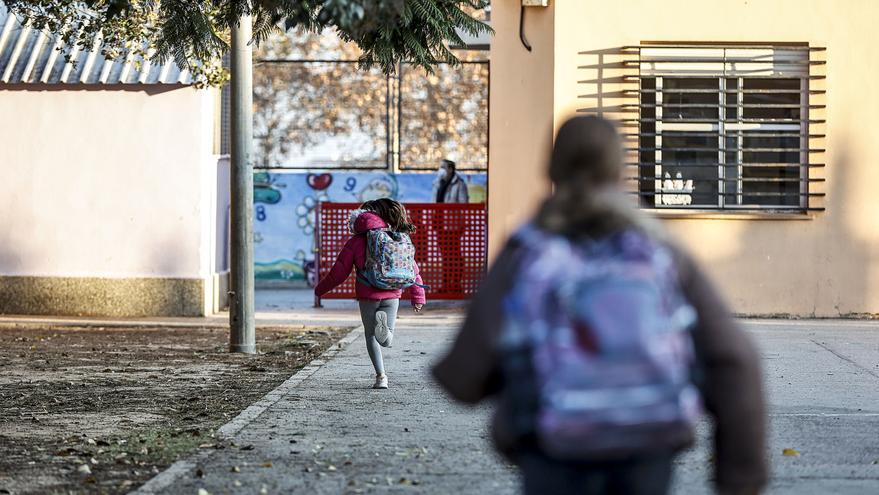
(381, 381)
(383, 333)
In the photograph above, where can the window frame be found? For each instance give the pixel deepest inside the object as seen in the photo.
(731, 192)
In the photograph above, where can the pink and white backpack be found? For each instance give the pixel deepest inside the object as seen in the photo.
(390, 260)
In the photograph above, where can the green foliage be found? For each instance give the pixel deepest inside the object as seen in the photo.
(195, 33)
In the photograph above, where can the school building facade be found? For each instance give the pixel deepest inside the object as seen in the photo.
(750, 129)
(115, 197)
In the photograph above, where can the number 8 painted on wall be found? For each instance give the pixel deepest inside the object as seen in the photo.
(261, 213)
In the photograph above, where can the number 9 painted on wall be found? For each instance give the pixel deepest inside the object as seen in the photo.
(350, 184)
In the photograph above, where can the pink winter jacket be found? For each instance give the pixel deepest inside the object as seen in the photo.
(354, 255)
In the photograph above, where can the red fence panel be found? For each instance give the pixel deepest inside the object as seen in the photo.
(450, 246)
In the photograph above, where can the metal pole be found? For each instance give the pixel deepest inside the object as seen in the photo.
(318, 250)
(242, 336)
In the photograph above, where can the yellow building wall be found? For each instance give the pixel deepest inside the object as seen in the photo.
(826, 264)
(520, 118)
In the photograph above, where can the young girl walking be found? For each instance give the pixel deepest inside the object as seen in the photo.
(597, 334)
(378, 307)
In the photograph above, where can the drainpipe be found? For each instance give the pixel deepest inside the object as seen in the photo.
(242, 337)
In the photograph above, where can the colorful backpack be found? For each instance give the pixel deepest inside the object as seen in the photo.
(390, 260)
(596, 347)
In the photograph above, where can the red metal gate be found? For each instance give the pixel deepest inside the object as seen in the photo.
(450, 246)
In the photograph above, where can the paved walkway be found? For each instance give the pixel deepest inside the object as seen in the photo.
(330, 433)
(273, 307)
(823, 386)
(326, 431)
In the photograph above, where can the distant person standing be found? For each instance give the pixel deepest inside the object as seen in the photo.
(450, 187)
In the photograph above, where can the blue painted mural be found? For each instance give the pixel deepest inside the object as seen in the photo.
(284, 211)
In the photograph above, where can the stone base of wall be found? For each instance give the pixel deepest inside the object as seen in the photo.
(108, 297)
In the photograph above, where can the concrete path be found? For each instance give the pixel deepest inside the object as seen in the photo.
(331, 433)
(273, 307)
(327, 432)
(823, 386)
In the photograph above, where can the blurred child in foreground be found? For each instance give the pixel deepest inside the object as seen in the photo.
(600, 366)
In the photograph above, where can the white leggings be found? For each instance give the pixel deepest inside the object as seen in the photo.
(367, 315)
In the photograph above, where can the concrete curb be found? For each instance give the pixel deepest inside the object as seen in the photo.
(221, 322)
(214, 322)
(167, 477)
(89, 322)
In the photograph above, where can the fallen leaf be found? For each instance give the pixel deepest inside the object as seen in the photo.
(267, 464)
(790, 453)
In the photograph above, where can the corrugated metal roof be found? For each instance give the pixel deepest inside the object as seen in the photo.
(29, 56)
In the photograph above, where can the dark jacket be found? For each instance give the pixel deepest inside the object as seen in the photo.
(456, 191)
(731, 386)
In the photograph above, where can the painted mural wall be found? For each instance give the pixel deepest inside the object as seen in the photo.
(285, 207)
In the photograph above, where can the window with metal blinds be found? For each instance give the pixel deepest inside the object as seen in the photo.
(727, 128)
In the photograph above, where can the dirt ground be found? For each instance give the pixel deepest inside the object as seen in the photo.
(102, 410)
